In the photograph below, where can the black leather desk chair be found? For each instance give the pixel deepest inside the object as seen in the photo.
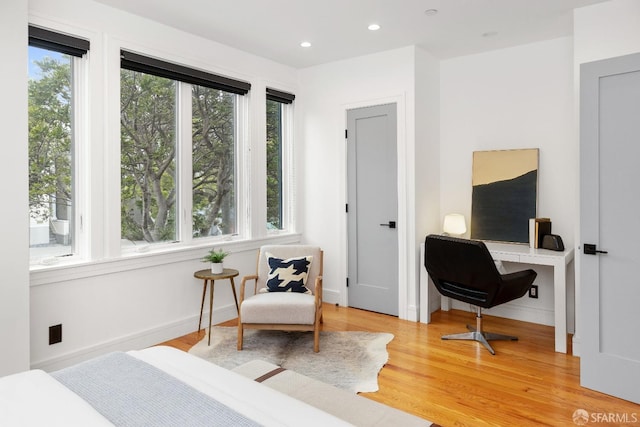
(464, 270)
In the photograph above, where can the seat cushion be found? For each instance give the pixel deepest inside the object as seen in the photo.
(279, 307)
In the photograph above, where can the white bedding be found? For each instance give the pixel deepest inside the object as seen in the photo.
(34, 398)
(256, 401)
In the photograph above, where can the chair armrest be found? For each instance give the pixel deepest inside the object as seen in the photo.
(514, 285)
(253, 277)
(318, 290)
(525, 277)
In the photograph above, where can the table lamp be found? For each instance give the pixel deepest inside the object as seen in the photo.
(454, 225)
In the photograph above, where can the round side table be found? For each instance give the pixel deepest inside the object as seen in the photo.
(208, 276)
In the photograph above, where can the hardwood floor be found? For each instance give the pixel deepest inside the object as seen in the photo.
(459, 383)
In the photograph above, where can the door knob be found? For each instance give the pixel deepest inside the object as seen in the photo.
(590, 249)
(391, 224)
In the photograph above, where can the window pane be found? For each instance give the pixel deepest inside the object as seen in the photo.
(148, 157)
(214, 182)
(50, 153)
(274, 165)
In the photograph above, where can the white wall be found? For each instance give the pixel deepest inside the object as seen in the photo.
(328, 91)
(426, 158)
(601, 31)
(606, 30)
(146, 302)
(519, 97)
(14, 251)
(125, 302)
(426, 162)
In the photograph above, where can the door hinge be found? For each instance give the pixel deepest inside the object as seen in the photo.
(347, 282)
(345, 134)
(346, 207)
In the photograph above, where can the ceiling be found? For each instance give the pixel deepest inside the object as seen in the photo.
(337, 29)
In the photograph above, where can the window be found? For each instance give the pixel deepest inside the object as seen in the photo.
(55, 61)
(148, 157)
(213, 160)
(156, 183)
(278, 107)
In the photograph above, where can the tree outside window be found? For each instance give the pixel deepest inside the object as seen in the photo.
(148, 157)
(149, 164)
(50, 152)
(213, 141)
(274, 165)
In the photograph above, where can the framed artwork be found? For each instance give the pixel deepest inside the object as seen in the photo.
(505, 194)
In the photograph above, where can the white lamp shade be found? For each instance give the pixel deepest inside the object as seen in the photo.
(454, 224)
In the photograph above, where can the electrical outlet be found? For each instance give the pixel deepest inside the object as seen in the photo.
(533, 291)
(55, 334)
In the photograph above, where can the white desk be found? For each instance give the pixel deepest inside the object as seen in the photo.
(522, 254)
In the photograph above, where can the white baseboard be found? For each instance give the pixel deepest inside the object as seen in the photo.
(575, 346)
(436, 301)
(330, 296)
(514, 311)
(412, 313)
(333, 297)
(136, 341)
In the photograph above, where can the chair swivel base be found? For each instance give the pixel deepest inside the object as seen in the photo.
(481, 337)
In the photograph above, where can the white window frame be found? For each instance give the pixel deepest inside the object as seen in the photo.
(288, 171)
(80, 166)
(82, 158)
(185, 167)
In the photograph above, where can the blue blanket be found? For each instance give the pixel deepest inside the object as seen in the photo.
(130, 392)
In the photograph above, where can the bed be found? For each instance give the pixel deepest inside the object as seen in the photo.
(158, 386)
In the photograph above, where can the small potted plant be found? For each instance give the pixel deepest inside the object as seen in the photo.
(215, 258)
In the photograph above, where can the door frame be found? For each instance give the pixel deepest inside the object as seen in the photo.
(407, 281)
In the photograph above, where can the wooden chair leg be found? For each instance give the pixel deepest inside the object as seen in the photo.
(316, 338)
(240, 334)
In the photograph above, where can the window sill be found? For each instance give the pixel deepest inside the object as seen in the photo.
(73, 269)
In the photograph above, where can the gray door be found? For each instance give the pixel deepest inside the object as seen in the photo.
(372, 209)
(610, 202)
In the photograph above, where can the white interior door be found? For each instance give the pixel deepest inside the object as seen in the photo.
(609, 207)
(372, 208)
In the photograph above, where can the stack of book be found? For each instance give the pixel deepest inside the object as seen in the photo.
(538, 228)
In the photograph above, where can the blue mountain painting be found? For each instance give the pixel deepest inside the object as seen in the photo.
(501, 210)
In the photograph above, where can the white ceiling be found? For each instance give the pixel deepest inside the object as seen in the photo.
(337, 29)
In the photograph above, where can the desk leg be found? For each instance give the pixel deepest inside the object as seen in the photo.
(445, 303)
(235, 297)
(204, 292)
(425, 298)
(210, 309)
(560, 303)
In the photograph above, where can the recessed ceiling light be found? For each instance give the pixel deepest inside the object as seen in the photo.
(431, 12)
(374, 27)
(305, 44)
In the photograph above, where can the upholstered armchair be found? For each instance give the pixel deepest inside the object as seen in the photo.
(287, 292)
